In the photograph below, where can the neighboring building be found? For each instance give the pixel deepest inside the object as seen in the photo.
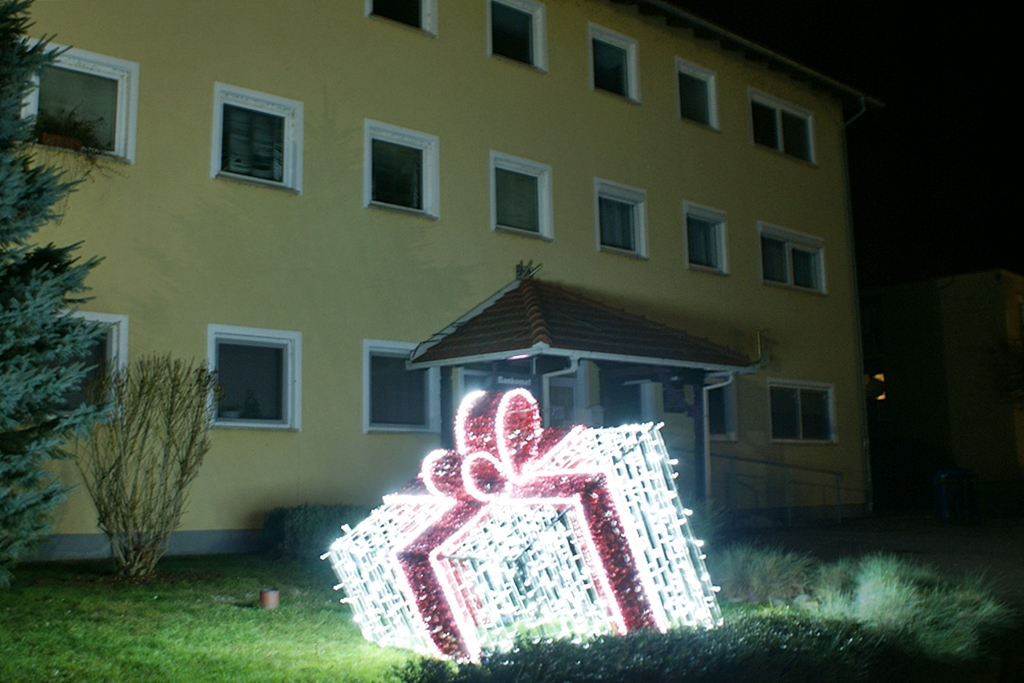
(305, 193)
(937, 359)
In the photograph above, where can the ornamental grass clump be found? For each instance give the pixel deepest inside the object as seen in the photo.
(942, 617)
(760, 575)
(139, 463)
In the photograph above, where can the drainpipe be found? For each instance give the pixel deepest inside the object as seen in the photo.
(574, 362)
(865, 442)
(707, 433)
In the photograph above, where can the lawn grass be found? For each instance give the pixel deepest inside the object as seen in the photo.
(198, 620)
(873, 619)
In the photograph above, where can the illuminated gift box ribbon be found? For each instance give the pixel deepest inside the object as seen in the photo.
(503, 458)
(523, 530)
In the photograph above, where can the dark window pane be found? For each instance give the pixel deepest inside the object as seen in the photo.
(253, 144)
(610, 68)
(516, 200)
(511, 33)
(773, 259)
(765, 130)
(252, 378)
(805, 268)
(616, 223)
(716, 412)
(397, 396)
(814, 414)
(702, 241)
(77, 105)
(693, 99)
(397, 174)
(796, 137)
(785, 414)
(95, 362)
(405, 11)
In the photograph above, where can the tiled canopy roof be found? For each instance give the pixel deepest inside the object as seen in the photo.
(538, 318)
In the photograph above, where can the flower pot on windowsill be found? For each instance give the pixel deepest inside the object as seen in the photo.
(64, 141)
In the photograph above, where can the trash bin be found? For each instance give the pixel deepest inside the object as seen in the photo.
(954, 495)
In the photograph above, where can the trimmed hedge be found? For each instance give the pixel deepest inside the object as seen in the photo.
(306, 531)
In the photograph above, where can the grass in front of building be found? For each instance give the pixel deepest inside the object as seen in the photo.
(198, 620)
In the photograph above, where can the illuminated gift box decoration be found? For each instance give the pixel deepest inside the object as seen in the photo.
(549, 533)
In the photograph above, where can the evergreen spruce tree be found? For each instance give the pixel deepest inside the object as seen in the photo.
(39, 343)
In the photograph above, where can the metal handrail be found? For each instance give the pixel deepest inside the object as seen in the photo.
(733, 459)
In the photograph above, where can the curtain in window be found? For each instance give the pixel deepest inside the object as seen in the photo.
(253, 144)
(805, 268)
(702, 240)
(516, 200)
(252, 378)
(397, 396)
(397, 174)
(773, 259)
(616, 223)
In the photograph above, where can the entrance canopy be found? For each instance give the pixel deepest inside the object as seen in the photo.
(530, 318)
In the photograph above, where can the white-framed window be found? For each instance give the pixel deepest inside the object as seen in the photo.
(696, 94)
(421, 14)
(517, 29)
(704, 238)
(257, 138)
(520, 196)
(86, 100)
(801, 411)
(107, 352)
(400, 168)
(614, 62)
(781, 126)
(260, 374)
(396, 399)
(721, 409)
(792, 258)
(620, 214)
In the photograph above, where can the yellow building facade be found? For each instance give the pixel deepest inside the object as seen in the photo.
(303, 188)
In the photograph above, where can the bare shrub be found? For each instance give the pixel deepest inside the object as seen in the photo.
(138, 464)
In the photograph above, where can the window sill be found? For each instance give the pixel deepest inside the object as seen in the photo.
(525, 65)
(807, 442)
(400, 429)
(725, 438)
(623, 252)
(252, 424)
(402, 209)
(780, 153)
(616, 95)
(698, 124)
(698, 268)
(258, 182)
(795, 288)
(529, 234)
(402, 24)
(95, 155)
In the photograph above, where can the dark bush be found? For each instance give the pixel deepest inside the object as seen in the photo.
(306, 531)
(747, 649)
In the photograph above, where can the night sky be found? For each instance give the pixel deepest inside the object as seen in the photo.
(930, 172)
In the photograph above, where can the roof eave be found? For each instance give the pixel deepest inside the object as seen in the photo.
(730, 40)
(545, 350)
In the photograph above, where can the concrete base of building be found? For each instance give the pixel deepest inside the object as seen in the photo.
(96, 546)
